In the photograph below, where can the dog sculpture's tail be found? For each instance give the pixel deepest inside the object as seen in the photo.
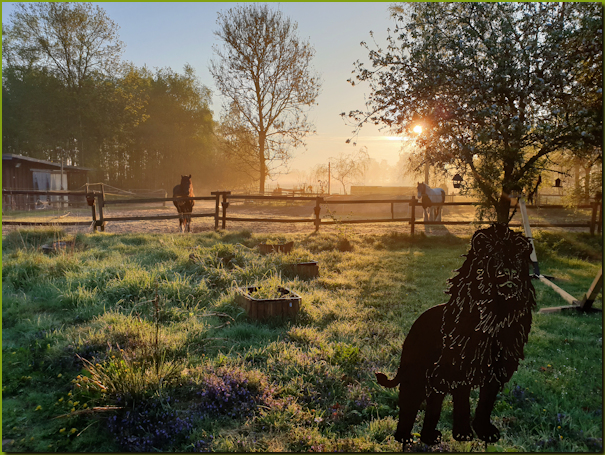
(390, 383)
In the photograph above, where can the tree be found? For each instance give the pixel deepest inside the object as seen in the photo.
(488, 83)
(346, 167)
(239, 143)
(176, 136)
(76, 44)
(264, 71)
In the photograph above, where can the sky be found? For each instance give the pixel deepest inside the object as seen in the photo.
(166, 34)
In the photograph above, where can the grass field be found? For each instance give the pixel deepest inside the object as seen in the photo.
(135, 343)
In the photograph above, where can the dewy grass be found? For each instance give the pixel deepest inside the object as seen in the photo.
(109, 346)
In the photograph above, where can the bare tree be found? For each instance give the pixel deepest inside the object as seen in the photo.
(264, 71)
(346, 167)
(320, 178)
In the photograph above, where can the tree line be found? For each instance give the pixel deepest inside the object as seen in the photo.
(67, 95)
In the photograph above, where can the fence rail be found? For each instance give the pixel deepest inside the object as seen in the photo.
(97, 201)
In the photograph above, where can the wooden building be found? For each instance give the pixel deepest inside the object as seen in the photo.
(25, 173)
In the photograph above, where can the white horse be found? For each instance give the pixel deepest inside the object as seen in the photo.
(429, 197)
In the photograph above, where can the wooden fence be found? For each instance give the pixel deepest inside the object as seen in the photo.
(97, 201)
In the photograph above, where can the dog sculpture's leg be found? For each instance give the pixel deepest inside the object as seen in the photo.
(429, 434)
(485, 430)
(462, 414)
(410, 400)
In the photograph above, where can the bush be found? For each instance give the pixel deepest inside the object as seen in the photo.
(231, 393)
(151, 426)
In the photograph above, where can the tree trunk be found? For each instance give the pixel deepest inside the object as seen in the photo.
(262, 164)
(587, 184)
(503, 209)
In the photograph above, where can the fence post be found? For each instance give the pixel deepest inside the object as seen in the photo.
(216, 206)
(90, 199)
(593, 218)
(165, 196)
(392, 211)
(412, 214)
(225, 204)
(101, 204)
(317, 209)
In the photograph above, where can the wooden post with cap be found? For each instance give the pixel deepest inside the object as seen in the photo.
(317, 209)
(225, 204)
(412, 214)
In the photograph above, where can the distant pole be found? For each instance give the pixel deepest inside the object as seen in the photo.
(426, 173)
(329, 176)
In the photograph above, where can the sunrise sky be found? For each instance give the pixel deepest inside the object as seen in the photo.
(173, 34)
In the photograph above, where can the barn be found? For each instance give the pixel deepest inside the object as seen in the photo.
(25, 173)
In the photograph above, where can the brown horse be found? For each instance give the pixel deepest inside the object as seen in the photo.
(185, 189)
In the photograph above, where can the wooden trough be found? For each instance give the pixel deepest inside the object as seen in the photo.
(265, 248)
(284, 307)
(304, 269)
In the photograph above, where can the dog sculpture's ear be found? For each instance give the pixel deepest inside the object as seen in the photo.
(189, 175)
(524, 245)
(481, 242)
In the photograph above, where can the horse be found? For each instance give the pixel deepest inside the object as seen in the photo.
(429, 196)
(185, 189)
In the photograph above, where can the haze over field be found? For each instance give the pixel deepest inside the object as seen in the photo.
(499, 96)
(174, 34)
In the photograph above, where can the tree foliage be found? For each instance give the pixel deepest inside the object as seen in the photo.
(263, 69)
(74, 46)
(72, 40)
(66, 94)
(498, 87)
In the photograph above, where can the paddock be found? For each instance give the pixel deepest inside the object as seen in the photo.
(368, 214)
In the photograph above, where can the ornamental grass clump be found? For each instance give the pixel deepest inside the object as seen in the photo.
(129, 376)
(224, 266)
(135, 372)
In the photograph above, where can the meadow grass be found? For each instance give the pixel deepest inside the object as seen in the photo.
(135, 343)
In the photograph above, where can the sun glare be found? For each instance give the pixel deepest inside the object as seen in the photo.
(418, 129)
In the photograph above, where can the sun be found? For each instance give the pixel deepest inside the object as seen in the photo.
(418, 129)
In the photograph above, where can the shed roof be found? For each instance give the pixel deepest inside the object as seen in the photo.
(10, 157)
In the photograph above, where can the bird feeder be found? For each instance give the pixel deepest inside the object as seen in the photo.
(457, 181)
